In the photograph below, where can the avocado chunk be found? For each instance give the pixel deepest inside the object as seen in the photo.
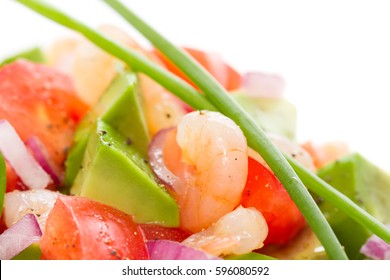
(304, 246)
(114, 172)
(272, 114)
(249, 256)
(34, 54)
(366, 185)
(120, 106)
(32, 252)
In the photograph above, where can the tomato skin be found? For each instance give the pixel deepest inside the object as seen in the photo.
(156, 232)
(79, 228)
(265, 192)
(228, 77)
(40, 101)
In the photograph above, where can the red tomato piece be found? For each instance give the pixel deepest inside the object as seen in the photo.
(156, 232)
(40, 101)
(265, 192)
(79, 228)
(13, 181)
(228, 77)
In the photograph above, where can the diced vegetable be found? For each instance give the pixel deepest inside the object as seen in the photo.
(171, 250)
(79, 228)
(265, 192)
(42, 156)
(33, 54)
(375, 248)
(119, 106)
(19, 236)
(365, 184)
(156, 232)
(41, 102)
(21, 160)
(272, 114)
(113, 172)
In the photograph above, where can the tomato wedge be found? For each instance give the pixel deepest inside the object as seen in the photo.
(156, 232)
(228, 77)
(79, 228)
(265, 192)
(39, 101)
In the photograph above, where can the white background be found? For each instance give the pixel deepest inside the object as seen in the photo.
(333, 55)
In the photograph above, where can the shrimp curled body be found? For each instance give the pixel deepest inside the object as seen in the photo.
(238, 232)
(216, 153)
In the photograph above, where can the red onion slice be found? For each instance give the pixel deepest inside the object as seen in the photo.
(19, 236)
(156, 159)
(42, 156)
(16, 153)
(171, 250)
(263, 85)
(377, 249)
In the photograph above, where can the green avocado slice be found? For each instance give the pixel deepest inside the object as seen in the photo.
(114, 172)
(120, 106)
(32, 252)
(273, 114)
(34, 54)
(364, 183)
(250, 256)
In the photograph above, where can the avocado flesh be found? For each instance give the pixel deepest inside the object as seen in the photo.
(272, 114)
(116, 174)
(249, 256)
(366, 185)
(119, 106)
(34, 54)
(32, 252)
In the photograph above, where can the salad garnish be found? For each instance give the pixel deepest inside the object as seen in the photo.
(293, 176)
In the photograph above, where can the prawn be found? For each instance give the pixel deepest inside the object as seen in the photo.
(238, 232)
(214, 151)
(83, 61)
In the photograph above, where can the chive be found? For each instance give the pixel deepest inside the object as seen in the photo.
(256, 138)
(226, 105)
(3, 177)
(138, 62)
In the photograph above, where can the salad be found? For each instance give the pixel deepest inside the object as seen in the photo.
(109, 150)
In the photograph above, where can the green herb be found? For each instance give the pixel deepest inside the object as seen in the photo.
(3, 176)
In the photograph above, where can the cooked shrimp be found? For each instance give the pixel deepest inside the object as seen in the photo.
(19, 203)
(238, 232)
(93, 70)
(327, 152)
(215, 150)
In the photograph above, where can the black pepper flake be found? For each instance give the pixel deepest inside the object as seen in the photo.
(113, 252)
(168, 115)
(145, 160)
(102, 132)
(128, 141)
